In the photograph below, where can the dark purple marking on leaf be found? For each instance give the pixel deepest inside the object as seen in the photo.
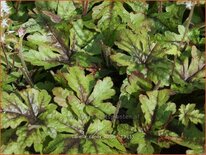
(54, 18)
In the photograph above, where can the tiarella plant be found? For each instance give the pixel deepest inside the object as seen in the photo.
(102, 77)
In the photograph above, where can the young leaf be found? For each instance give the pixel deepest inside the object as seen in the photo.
(188, 113)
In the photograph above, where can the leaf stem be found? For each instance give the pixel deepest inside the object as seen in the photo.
(114, 118)
(24, 69)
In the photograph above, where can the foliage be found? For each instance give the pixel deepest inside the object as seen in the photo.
(102, 77)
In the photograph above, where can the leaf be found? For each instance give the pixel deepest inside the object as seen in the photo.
(150, 102)
(125, 129)
(60, 96)
(170, 18)
(104, 87)
(97, 146)
(173, 51)
(7, 135)
(188, 113)
(121, 59)
(13, 147)
(100, 128)
(164, 113)
(132, 43)
(46, 44)
(9, 78)
(107, 13)
(80, 83)
(137, 83)
(65, 9)
(88, 92)
(30, 106)
(28, 137)
(26, 107)
(110, 17)
(138, 6)
(42, 57)
(83, 37)
(144, 55)
(31, 26)
(189, 75)
(159, 71)
(54, 18)
(114, 143)
(138, 138)
(145, 148)
(56, 145)
(66, 121)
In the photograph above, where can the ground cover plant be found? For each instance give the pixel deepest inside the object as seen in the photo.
(102, 77)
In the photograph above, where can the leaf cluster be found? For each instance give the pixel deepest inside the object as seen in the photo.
(103, 77)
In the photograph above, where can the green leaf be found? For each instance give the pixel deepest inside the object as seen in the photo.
(13, 147)
(66, 121)
(93, 111)
(121, 59)
(26, 106)
(189, 75)
(150, 102)
(137, 83)
(108, 12)
(132, 42)
(170, 18)
(60, 96)
(30, 106)
(138, 6)
(173, 51)
(105, 87)
(80, 83)
(144, 145)
(31, 26)
(36, 137)
(110, 17)
(125, 130)
(114, 143)
(148, 105)
(89, 94)
(163, 113)
(83, 37)
(145, 148)
(66, 10)
(43, 57)
(188, 113)
(97, 146)
(100, 128)
(138, 138)
(56, 145)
